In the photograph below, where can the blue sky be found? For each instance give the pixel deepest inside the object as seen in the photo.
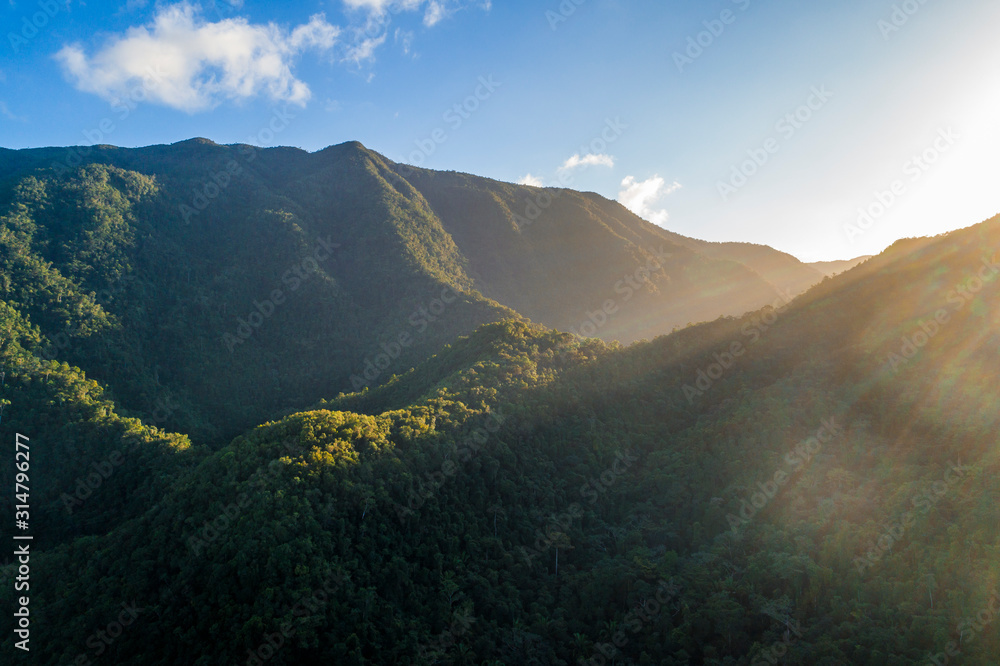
(769, 122)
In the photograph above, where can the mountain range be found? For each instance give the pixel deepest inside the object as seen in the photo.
(296, 408)
(210, 253)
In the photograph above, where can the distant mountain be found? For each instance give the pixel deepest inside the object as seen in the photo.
(582, 263)
(209, 286)
(832, 268)
(784, 272)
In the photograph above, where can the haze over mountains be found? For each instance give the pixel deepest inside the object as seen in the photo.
(337, 414)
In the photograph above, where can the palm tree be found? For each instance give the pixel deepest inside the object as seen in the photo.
(582, 645)
(931, 584)
(560, 540)
(497, 510)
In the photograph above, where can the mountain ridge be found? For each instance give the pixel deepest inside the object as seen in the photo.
(237, 238)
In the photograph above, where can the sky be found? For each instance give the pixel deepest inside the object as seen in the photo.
(827, 129)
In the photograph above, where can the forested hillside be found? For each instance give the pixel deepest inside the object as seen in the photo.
(579, 262)
(814, 483)
(211, 286)
(205, 314)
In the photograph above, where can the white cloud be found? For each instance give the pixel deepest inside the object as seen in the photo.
(364, 49)
(640, 196)
(380, 6)
(435, 12)
(332, 106)
(182, 61)
(370, 5)
(528, 179)
(404, 38)
(7, 113)
(377, 19)
(591, 159)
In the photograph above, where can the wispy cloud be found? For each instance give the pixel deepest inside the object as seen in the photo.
(405, 39)
(641, 196)
(364, 49)
(528, 179)
(378, 16)
(591, 159)
(7, 113)
(382, 5)
(435, 12)
(185, 62)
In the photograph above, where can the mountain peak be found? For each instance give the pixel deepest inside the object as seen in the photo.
(355, 145)
(195, 141)
(347, 147)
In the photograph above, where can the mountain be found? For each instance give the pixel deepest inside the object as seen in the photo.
(579, 262)
(809, 483)
(784, 272)
(831, 268)
(208, 286)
